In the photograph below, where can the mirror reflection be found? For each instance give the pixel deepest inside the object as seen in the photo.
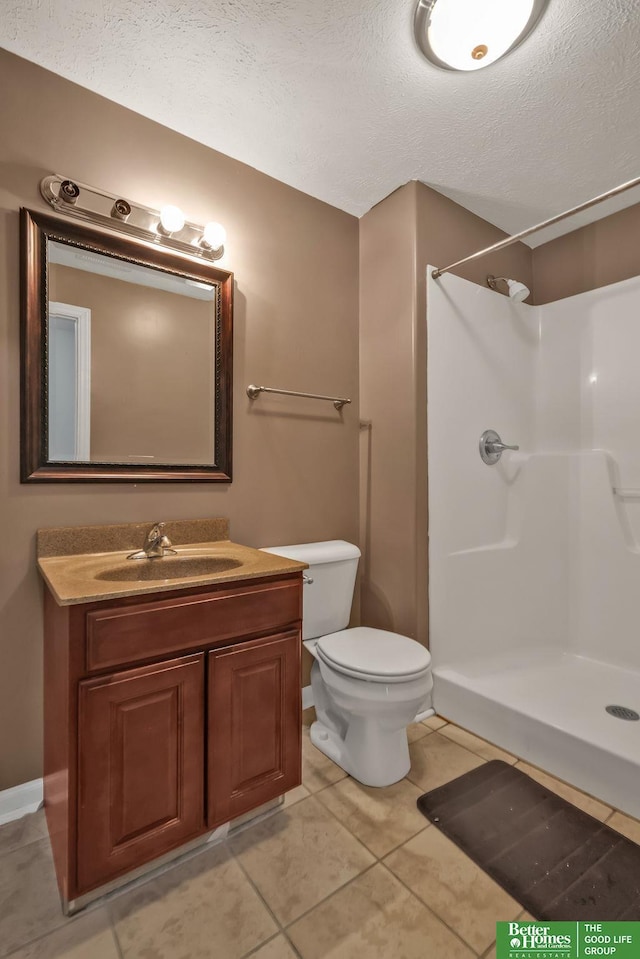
(131, 362)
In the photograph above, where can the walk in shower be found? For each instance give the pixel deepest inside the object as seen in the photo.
(534, 562)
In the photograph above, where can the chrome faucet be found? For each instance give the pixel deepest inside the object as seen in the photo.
(156, 544)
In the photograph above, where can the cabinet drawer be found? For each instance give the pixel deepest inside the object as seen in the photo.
(124, 634)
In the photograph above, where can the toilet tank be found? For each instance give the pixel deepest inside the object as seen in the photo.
(327, 600)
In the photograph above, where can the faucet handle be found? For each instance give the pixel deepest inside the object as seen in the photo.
(163, 540)
(156, 532)
(492, 447)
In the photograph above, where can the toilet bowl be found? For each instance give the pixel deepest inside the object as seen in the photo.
(363, 711)
(368, 684)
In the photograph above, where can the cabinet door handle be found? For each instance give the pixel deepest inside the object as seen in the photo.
(307, 580)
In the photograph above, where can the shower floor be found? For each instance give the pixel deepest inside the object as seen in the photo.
(549, 708)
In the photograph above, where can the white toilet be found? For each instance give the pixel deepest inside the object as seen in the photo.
(368, 684)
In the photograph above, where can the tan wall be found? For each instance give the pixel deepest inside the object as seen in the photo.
(296, 326)
(152, 368)
(412, 228)
(596, 255)
(387, 403)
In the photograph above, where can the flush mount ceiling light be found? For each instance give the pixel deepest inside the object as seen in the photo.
(471, 34)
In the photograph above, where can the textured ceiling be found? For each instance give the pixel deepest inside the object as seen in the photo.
(333, 97)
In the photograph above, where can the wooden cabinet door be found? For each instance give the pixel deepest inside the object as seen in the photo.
(254, 725)
(140, 766)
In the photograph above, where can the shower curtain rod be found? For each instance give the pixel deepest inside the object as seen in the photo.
(502, 244)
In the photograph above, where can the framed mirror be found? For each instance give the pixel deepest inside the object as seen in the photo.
(126, 358)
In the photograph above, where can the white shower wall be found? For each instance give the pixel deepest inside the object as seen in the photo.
(493, 587)
(536, 560)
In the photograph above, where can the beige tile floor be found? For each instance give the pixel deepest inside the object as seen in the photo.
(340, 871)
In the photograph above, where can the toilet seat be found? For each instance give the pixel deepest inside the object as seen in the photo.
(374, 655)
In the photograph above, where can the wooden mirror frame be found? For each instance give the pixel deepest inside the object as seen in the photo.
(36, 229)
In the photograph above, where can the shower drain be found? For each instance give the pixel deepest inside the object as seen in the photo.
(622, 712)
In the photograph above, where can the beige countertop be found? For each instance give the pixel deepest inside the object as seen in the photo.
(90, 577)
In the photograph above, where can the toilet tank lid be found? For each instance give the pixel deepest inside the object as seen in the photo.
(317, 553)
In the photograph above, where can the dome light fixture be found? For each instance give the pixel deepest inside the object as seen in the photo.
(471, 34)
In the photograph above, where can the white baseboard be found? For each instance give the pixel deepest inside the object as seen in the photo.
(20, 800)
(307, 697)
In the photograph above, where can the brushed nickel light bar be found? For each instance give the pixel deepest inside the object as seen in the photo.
(338, 401)
(510, 240)
(165, 227)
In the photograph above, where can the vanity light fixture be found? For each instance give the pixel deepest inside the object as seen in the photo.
(167, 226)
(471, 34)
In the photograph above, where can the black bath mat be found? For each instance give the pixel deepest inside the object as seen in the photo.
(552, 857)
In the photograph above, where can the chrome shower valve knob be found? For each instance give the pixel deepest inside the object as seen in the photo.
(492, 447)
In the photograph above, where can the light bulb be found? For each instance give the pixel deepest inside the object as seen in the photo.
(214, 236)
(171, 219)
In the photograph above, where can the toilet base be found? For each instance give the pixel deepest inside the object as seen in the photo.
(372, 755)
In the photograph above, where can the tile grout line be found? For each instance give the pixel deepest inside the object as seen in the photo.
(294, 948)
(255, 887)
(414, 895)
(323, 788)
(32, 942)
(352, 834)
(114, 930)
(114, 933)
(22, 845)
(63, 920)
(338, 889)
(487, 951)
(362, 843)
(66, 922)
(472, 751)
(276, 935)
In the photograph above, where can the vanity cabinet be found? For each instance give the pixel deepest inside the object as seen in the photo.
(165, 718)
